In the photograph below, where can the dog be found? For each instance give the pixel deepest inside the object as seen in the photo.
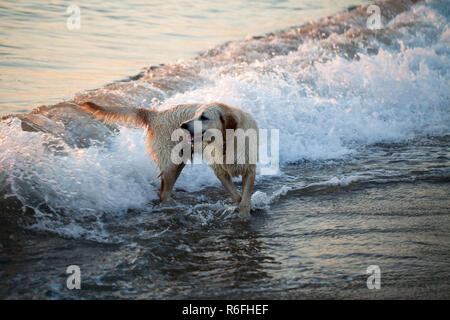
(213, 116)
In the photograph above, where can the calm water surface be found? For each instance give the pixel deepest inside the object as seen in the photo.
(43, 62)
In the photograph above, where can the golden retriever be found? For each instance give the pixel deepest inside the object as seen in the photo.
(214, 116)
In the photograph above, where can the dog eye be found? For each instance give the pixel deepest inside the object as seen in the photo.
(202, 117)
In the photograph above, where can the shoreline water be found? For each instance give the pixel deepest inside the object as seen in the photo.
(364, 158)
(407, 240)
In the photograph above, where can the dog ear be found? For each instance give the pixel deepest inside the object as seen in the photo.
(229, 121)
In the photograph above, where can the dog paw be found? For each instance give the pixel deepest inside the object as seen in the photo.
(169, 202)
(244, 212)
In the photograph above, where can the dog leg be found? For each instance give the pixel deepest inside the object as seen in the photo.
(229, 186)
(248, 179)
(168, 178)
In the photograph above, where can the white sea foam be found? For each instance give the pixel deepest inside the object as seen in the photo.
(76, 184)
(322, 109)
(260, 200)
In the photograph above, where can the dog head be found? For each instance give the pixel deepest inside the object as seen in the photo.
(211, 116)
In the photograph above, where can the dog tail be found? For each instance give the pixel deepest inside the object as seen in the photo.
(138, 117)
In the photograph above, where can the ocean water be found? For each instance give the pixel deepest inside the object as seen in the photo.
(44, 61)
(363, 117)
